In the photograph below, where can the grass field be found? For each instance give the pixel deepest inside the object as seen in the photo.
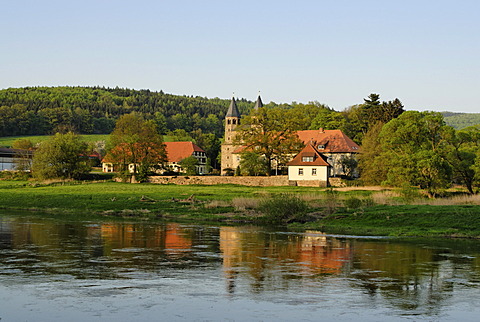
(349, 212)
(7, 141)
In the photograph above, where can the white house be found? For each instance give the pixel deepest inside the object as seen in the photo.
(309, 166)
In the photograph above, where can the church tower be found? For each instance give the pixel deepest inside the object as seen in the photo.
(232, 121)
(258, 103)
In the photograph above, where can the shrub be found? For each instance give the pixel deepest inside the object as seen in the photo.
(283, 208)
(357, 203)
(353, 203)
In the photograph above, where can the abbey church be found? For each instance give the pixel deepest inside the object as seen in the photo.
(323, 153)
(230, 151)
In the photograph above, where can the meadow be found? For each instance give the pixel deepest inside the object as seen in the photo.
(360, 212)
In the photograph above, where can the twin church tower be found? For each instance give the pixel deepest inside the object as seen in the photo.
(230, 151)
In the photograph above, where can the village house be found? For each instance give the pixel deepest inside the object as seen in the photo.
(333, 146)
(11, 159)
(176, 152)
(309, 165)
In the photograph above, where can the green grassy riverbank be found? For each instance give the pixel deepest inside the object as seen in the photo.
(345, 212)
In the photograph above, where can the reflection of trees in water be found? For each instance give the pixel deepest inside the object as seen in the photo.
(407, 275)
(411, 278)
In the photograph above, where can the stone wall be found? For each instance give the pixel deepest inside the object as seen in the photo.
(308, 183)
(212, 180)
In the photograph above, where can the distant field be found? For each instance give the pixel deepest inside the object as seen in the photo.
(7, 141)
(461, 120)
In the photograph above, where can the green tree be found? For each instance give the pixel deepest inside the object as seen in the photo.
(268, 132)
(161, 122)
(137, 142)
(371, 167)
(328, 120)
(60, 157)
(412, 146)
(461, 153)
(189, 165)
(180, 135)
(253, 164)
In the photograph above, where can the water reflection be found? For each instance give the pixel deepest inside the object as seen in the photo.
(406, 277)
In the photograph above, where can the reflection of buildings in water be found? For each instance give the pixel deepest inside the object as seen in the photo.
(230, 246)
(175, 241)
(170, 237)
(251, 252)
(323, 255)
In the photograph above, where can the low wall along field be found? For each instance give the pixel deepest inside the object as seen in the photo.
(273, 181)
(213, 180)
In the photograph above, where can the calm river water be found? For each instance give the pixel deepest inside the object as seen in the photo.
(70, 270)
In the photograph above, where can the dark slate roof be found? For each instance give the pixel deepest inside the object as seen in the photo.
(259, 103)
(233, 109)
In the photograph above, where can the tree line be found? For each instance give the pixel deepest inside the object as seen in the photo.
(85, 110)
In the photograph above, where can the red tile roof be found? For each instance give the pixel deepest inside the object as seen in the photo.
(309, 151)
(332, 140)
(177, 151)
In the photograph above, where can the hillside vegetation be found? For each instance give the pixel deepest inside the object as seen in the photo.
(87, 110)
(461, 120)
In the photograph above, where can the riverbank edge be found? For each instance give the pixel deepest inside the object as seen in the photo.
(366, 223)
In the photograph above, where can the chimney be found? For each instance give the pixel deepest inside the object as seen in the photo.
(321, 130)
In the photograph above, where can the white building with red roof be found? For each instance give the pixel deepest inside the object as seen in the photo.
(309, 165)
(177, 151)
(334, 145)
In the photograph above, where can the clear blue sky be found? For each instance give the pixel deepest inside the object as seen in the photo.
(425, 52)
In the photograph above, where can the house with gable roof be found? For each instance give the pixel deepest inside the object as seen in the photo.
(309, 165)
(335, 145)
(176, 152)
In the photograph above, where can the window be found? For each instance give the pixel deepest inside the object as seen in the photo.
(300, 171)
(321, 146)
(314, 171)
(307, 159)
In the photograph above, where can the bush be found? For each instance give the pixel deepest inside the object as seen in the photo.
(283, 208)
(357, 203)
(409, 193)
(353, 203)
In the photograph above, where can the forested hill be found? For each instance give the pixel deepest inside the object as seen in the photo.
(461, 120)
(42, 110)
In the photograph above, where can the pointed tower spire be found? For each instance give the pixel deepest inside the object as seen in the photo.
(233, 109)
(259, 102)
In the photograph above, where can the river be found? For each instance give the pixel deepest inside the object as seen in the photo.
(64, 269)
